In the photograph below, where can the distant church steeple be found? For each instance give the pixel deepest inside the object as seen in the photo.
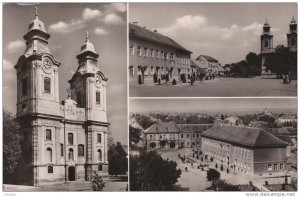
(292, 36)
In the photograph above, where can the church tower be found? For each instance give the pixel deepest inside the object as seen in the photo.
(38, 108)
(292, 36)
(266, 46)
(88, 89)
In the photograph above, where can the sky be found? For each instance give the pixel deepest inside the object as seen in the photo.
(67, 25)
(213, 105)
(225, 31)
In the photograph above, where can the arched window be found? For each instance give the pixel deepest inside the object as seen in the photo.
(71, 154)
(50, 169)
(80, 150)
(48, 155)
(47, 85)
(99, 153)
(70, 138)
(98, 97)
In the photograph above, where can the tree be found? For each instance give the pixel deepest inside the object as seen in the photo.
(12, 148)
(282, 61)
(144, 121)
(213, 175)
(134, 134)
(221, 185)
(150, 172)
(117, 159)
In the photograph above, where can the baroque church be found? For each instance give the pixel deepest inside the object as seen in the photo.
(267, 43)
(64, 141)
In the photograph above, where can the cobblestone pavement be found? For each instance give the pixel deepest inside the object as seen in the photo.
(219, 87)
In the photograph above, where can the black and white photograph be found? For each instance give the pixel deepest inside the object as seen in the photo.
(213, 144)
(64, 97)
(212, 49)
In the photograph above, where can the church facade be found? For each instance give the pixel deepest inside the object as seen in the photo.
(64, 141)
(267, 43)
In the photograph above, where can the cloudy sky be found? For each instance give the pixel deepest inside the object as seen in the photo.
(213, 105)
(67, 24)
(225, 31)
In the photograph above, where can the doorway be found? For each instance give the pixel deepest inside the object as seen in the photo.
(71, 173)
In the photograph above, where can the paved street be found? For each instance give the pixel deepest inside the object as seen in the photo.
(219, 87)
(111, 184)
(195, 179)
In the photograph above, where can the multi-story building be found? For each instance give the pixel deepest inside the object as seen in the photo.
(208, 63)
(154, 57)
(267, 43)
(63, 141)
(169, 135)
(245, 150)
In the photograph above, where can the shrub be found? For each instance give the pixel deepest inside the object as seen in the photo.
(266, 183)
(216, 165)
(174, 82)
(97, 183)
(211, 159)
(250, 183)
(227, 170)
(222, 168)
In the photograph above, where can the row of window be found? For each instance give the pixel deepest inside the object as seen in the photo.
(241, 152)
(50, 168)
(173, 136)
(275, 167)
(217, 145)
(47, 85)
(150, 70)
(70, 153)
(70, 137)
(159, 54)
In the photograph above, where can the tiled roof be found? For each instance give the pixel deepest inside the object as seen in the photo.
(163, 127)
(198, 128)
(247, 136)
(208, 58)
(287, 116)
(146, 34)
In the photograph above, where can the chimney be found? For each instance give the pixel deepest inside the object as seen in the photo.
(135, 23)
(144, 27)
(155, 30)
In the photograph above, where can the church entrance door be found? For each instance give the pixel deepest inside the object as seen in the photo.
(71, 173)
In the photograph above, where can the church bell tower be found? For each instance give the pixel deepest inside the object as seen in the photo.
(266, 46)
(292, 36)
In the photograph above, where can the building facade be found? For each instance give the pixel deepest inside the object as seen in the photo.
(245, 150)
(209, 64)
(64, 141)
(172, 136)
(154, 57)
(267, 43)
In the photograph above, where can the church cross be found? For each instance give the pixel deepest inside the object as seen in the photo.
(36, 11)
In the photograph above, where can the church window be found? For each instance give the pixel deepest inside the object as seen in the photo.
(275, 166)
(131, 50)
(197, 135)
(48, 155)
(99, 167)
(181, 135)
(99, 138)
(79, 97)
(80, 150)
(48, 135)
(98, 98)
(293, 42)
(71, 154)
(70, 138)
(61, 150)
(99, 152)
(193, 135)
(266, 43)
(50, 169)
(24, 87)
(131, 71)
(162, 55)
(47, 85)
(187, 135)
(145, 52)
